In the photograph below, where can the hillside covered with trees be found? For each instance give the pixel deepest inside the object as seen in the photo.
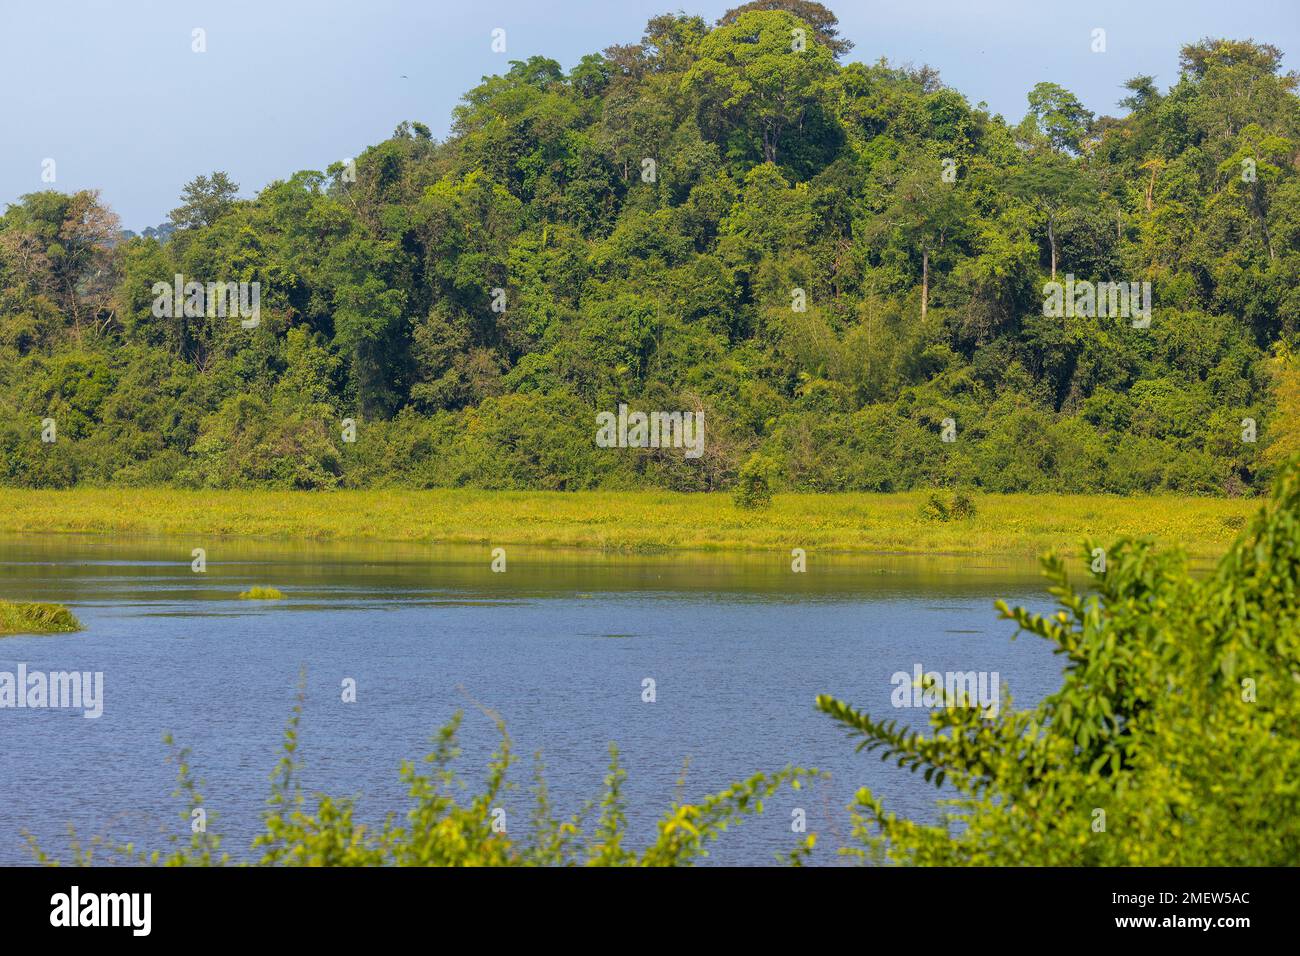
(828, 258)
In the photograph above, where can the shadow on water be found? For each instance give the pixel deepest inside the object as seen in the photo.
(72, 568)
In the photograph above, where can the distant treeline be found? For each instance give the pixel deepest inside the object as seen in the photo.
(841, 265)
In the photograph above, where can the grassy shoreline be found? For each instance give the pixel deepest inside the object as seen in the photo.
(634, 520)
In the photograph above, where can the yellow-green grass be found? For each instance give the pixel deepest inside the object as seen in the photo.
(18, 618)
(635, 520)
(261, 594)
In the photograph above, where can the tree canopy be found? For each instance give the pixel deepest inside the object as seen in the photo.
(828, 258)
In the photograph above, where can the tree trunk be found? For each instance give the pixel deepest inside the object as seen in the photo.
(925, 281)
(1263, 227)
(1051, 241)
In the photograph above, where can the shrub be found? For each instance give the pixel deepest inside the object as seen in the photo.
(754, 484)
(960, 507)
(935, 509)
(963, 506)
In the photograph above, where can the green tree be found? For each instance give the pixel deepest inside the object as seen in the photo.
(1056, 115)
(823, 22)
(204, 200)
(1052, 184)
(750, 73)
(925, 214)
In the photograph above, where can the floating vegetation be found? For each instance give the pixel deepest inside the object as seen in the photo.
(17, 618)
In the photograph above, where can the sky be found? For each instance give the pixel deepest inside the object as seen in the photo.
(115, 95)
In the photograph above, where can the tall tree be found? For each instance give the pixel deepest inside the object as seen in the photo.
(1253, 174)
(1057, 116)
(824, 23)
(203, 201)
(754, 75)
(1051, 184)
(926, 213)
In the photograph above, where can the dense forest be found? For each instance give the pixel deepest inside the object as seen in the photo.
(828, 258)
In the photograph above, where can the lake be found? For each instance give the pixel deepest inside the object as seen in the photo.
(560, 645)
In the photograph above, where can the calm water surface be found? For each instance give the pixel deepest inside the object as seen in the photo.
(559, 645)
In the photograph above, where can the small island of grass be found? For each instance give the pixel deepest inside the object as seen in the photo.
(19, 618)
(261, 594)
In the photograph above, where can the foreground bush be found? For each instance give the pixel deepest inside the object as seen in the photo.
(1175, 739)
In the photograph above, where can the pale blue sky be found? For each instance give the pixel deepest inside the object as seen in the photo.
(112, 92)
